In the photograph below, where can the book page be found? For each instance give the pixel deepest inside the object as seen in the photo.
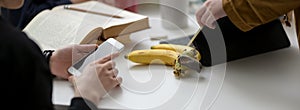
(105, 21)
(56, 28)
(113, 26)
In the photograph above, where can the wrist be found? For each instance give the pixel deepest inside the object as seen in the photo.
(48, 55)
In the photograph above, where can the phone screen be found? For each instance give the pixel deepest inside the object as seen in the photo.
(108, 47)
(78, 64)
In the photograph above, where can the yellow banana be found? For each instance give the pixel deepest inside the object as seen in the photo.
(164, 54)
(182, 49)
(153, 56)
(174, 47)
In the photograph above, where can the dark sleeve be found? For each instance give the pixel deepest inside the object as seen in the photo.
(79, 103)
(47, 4)
(24, 70)
(21, 17)
(248, 14)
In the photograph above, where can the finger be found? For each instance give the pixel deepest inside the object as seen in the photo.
(199, 14)
(79, 51)
(118, 81)
(86, 48)
(115, 72)
(205, 17)
(109, 65)
(211, 22)
(108, 57)
(71, 79)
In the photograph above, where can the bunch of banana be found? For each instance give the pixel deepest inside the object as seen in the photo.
(164, 54)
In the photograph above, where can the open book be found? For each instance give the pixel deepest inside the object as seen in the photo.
(59, 27)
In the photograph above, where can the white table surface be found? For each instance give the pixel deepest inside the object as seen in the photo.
(268, 81)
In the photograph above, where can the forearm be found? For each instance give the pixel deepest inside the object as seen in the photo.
(247, 14)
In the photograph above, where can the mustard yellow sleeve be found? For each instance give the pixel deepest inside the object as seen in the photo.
(247, 14)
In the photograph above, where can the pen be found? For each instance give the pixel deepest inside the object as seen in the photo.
(194, 37)
(93, 12)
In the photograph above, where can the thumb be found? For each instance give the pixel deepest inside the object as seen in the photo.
(119, 80)
(86, 47)
(211, 22)
(71, 79)
(199, 14)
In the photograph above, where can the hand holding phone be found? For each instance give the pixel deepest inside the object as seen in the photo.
(108, 47)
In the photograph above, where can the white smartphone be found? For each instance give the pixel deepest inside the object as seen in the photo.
(108, 47)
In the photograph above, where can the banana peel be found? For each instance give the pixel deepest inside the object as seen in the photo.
(184, 63)
(179, 69)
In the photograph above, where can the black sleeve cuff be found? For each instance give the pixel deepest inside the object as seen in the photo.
(48, 54)
(78, 103)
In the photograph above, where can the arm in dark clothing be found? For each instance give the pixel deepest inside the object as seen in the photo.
(28, 80)
(79, 103)
(25, 70)
(21, 17)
